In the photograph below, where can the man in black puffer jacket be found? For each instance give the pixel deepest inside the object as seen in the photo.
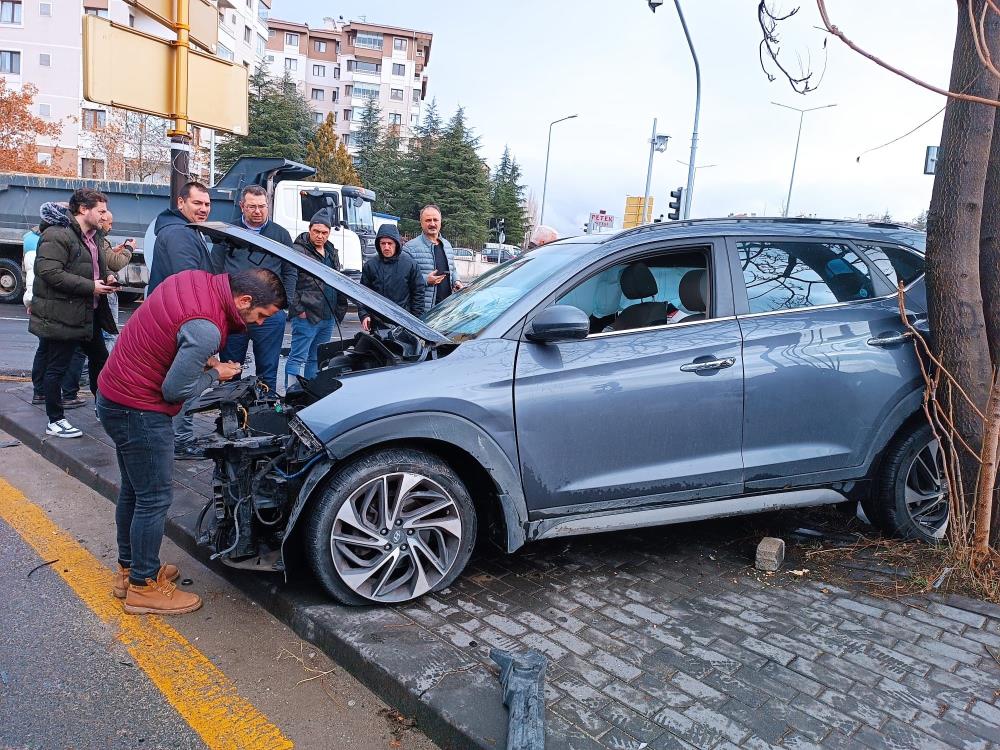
(394, 275)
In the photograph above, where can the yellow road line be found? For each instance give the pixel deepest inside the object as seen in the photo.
(196, 688)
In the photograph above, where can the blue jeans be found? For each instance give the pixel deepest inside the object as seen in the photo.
(144, 444)
(306, 339)
(267, 340)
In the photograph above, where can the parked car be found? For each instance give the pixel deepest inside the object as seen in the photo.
(496, 253)
(463, 252)
(668, 373)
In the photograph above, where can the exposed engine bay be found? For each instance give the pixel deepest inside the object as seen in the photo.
(263, 454)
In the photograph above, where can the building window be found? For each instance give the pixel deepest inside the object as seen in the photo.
(317, 95)
(362, 66)
(271, 33)
(396, 94)
(292, 40)
(366, 90)
(262, 12)
(420, 51)
(291, 64)
(131, 21)
(44, 159)
(398, 69)
(318, 117)
(395, 118)
(413, 120)
(416, 96)
(346, 137)
(319, 45)
(347, 90)
(261, 44)
(10, 11)
(92, 168)
(336, 72)
(10, 62)
(44, 110)
(45, 9)
(333, 95)
(94, 119)
(347, 114)
(100, 13)
(45, 59)
(247, 34)
(319, 71)
(399, 44)
(368, 40)
(270, 58)
(223, 51)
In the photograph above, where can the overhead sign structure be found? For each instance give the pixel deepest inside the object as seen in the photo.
(111, 75)
(602, 220)
(634, 213)
(203, 17)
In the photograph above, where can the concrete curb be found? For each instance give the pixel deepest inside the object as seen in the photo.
(448, 693)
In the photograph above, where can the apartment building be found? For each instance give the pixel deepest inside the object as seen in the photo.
(343, 64)
(41, 43)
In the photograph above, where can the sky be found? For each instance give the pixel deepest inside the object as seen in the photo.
(517, 65)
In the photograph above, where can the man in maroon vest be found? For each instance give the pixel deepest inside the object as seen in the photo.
(164, 356)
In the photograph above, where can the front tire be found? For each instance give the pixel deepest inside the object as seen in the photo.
(11, 282)
(910, 499)
(391, 527)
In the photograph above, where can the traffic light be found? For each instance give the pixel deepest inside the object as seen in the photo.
(677, 199)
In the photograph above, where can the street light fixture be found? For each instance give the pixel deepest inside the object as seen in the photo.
(657, 144)
(545, 181)
(798, 138)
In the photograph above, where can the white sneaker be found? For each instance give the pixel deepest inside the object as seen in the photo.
(62, 429)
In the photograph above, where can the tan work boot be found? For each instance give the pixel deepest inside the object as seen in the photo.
(159, 597)
(120, 587)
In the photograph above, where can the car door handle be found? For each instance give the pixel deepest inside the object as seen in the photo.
(708, 365)
(893, 340)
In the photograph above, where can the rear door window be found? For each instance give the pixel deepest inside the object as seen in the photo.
(790, 275)
(897, 264)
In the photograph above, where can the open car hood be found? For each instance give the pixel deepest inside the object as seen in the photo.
(383, 308)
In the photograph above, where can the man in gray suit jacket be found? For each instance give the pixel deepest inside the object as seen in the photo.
(434, 257)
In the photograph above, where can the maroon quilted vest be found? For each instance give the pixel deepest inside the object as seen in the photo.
(146, 348)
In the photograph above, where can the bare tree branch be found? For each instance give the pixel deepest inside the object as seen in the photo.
(770, 47)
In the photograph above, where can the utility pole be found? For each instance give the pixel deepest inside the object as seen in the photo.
(545, 181)
(180, 140)
(798, 138)
(689, 193)
(656, 143)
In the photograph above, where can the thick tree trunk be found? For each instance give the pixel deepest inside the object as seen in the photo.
(953, 231)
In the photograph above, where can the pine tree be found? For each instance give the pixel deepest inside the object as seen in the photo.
(507, 198)
(390, 180)
(328, 155)
(457, 180)
(416, 162)
(280, 122)
(367, 141)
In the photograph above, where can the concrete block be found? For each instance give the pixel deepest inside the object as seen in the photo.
(770, 553)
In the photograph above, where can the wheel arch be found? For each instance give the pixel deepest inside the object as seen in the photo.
(908, 414)
(480, 463)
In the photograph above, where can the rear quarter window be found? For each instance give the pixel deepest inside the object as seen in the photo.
(895, 262)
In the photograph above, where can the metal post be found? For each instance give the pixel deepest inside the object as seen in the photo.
(180, 141)
(545, 180)
(798, 139)
(689, 192)
(649, 176)
(211, 159)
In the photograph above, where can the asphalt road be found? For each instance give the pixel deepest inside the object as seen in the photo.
(17, 346)
(77, 672)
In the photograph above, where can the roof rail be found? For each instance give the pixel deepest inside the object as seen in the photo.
(758, 220)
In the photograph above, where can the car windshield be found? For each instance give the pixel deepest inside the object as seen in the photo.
(359, 217)
(463, 316)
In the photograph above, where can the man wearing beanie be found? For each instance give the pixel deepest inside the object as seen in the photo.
(393, 274)
(315, 307)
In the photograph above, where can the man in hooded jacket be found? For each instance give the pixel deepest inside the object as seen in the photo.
(179, 247)
(393, 274)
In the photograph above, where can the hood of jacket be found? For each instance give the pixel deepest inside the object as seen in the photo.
(169, 217)
(53, 214)
(390, 231)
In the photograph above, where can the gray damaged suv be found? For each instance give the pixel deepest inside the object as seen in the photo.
(664, 374)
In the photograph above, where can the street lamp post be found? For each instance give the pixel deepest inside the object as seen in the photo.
(656, 143)
(545, 180)
(798, 138)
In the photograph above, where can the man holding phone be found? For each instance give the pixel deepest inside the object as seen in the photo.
(434, 257)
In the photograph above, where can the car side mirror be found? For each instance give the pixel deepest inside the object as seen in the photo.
(559, 323)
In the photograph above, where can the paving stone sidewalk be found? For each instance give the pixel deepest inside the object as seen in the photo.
(664, 638)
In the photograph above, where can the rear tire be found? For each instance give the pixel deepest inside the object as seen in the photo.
(910, 497)
(390, 527)
(11, 282)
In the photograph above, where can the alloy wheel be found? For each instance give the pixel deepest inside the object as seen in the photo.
(926, 491)
(396, 537)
